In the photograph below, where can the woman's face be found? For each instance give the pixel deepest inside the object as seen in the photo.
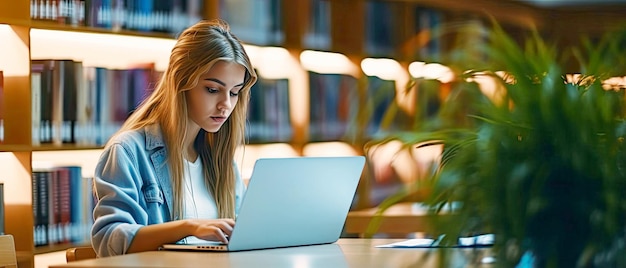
(212, 101)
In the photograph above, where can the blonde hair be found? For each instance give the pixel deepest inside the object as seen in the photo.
(196, 50)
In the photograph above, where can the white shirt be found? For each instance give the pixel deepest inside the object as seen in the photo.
(199, 202)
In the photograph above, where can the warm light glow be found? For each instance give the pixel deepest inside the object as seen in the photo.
(409, 164)
(572, 78)
(302, 261)
(246, 156)
(279, 63)
(386, 69)
(272, 62)
(614, 83)
(431, 71)
(16, 179)
(98, 49)
(87, 159)
(334, 148)
(328, 63)
(489, 85)
(14, 59)
(389, 69)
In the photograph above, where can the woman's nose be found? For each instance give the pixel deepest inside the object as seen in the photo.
(224, 103)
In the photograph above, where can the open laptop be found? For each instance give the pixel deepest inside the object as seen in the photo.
(291, 202)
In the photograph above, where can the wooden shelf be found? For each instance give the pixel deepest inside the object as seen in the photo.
(46, 25)
(43, 148)
(402, 218)
(24, 258)
(58, 247)
(18, 22)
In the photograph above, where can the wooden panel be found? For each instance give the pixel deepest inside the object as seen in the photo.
(15, 12)
(400, 219)
(15, 62)
(211, 9)
(80, 253)
(17, 121)
(16, 169)
(19, 222)
(296, 18)
(348, 26)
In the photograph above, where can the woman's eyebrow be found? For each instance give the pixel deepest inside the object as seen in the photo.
(216, 81)
(220, 82)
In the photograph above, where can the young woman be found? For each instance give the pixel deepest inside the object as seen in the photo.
(169, 173)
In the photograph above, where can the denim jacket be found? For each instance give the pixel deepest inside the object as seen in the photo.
(132, 184)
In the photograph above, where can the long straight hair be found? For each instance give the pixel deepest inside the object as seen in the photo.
(196, 50)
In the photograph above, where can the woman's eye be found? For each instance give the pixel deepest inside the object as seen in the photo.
(212, 90)
(234, 94)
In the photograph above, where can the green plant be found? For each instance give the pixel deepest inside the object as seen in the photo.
(542, 164)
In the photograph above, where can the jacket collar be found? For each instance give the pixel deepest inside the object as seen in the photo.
(154, 137)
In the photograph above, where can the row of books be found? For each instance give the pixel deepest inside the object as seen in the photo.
(75, 104)
(382, 36)
(255, 22)
(169, 16)
(333, 101)
(81, 105)
(269, 119)
(63, 201)
(336, 106)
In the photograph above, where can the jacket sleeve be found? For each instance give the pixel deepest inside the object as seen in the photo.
(120, 209)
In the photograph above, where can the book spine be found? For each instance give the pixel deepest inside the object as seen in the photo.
(69, 93)
(35, 106)
(36, 208)
(64, 206)
(43, 194)
(54, 209)
(77, 207)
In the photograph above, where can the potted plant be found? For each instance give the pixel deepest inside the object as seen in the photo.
(541, 163)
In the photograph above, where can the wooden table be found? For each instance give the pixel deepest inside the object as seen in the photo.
(401, 219)
(345, 253)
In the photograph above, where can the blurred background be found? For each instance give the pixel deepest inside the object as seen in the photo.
(329, 70)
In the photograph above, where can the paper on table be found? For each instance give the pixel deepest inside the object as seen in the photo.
(411, 243)
(471, 241)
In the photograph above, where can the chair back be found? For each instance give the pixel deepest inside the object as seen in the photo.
(79, 253)
(7, 252)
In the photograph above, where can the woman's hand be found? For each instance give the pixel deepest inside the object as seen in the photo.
(215, 229)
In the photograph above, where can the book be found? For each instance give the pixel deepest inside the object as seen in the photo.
(41, 192)
(42, 69)
(35, 106)
(54, 210)
(77, 205)
(63, 209)
(70, 80)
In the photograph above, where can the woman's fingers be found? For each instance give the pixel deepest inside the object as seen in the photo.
(220, 229)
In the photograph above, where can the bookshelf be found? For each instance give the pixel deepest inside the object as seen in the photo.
(283, 32)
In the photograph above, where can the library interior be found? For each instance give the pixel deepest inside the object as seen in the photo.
(71, 71)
